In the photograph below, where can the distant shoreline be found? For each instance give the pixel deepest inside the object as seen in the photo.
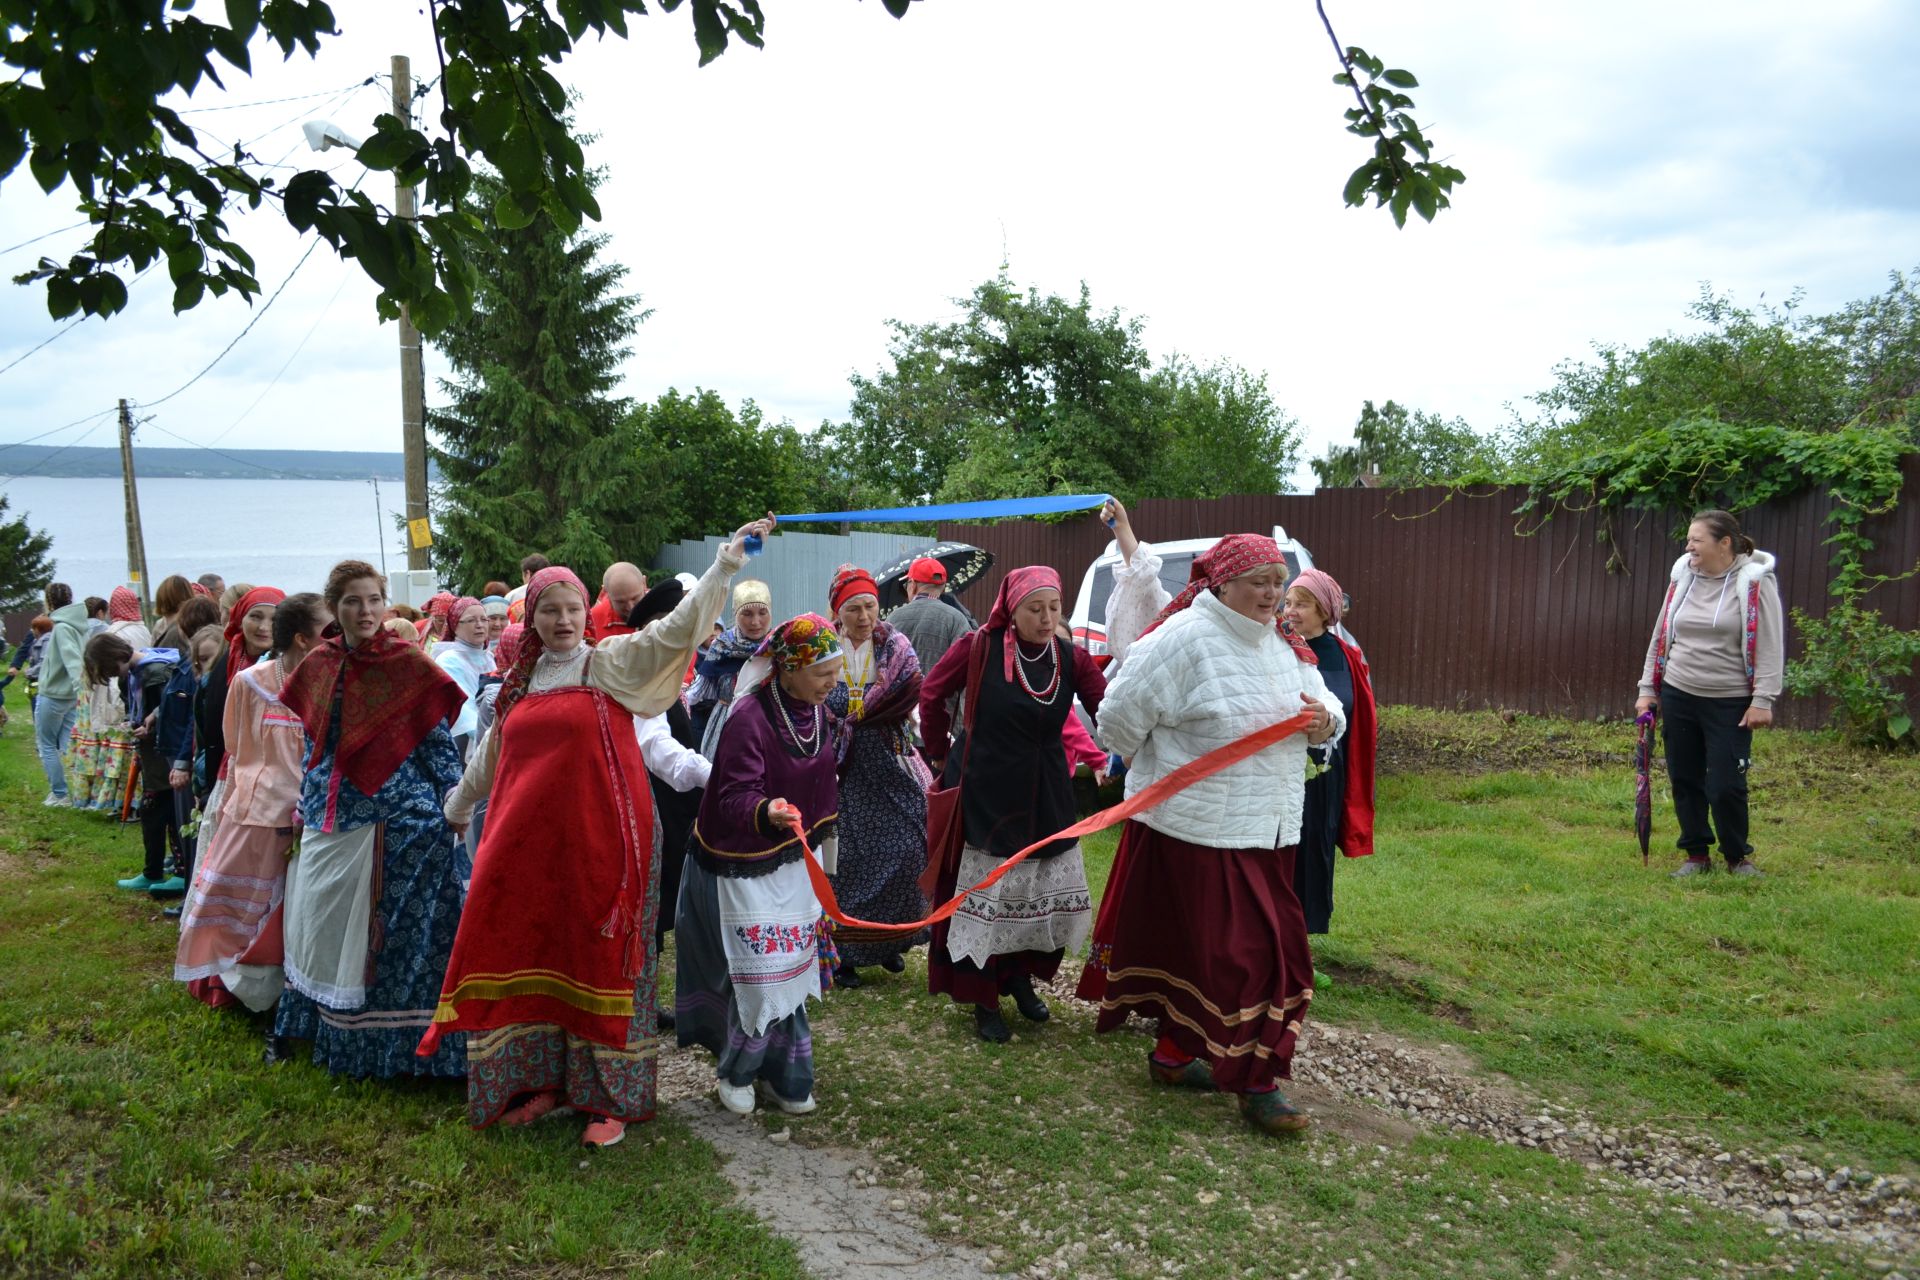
(95, 462)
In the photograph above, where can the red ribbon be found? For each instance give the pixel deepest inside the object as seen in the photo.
(1179, 780)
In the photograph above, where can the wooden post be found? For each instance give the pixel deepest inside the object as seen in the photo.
(413, 381)
(136, 540)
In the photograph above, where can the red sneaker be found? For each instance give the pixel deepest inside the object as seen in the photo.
(603, 1132)
(534, 1108)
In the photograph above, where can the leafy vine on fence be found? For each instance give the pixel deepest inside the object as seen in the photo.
(1851, 653)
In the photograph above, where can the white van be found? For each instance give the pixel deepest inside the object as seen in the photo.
(1089, 620)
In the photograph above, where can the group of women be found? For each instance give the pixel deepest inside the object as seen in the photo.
(346, 891)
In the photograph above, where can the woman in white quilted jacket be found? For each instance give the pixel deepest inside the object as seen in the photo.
(1200, 928)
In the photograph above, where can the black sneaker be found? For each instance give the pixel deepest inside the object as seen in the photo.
(846, 977)
(1031, 1006)
(991, 1026)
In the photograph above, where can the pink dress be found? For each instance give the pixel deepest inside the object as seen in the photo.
(230, 942)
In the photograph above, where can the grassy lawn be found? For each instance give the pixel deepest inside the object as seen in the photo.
(1506, 912)
(141, 1136)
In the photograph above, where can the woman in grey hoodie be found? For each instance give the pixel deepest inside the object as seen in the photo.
(1713, 667)
(60, 685)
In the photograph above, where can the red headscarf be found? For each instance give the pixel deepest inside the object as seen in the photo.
(1015, 587)
(1231, 557)
(237, 659)
(458, 610)
(437, 606)
(850, 581)
(514, 686)
(506, 650)
(391, 697)
(200, 589)
(123, 605)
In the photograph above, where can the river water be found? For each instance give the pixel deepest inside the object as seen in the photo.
(281, 533)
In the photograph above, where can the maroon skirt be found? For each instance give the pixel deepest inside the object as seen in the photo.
(1210, 942)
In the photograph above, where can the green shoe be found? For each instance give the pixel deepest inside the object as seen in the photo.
(1270, 1112)
(172, 885)
(1192, 1074)
(139, 883)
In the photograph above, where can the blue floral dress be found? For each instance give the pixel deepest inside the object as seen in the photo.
(415, 919)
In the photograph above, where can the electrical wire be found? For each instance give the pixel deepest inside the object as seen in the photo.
(269, 102)
(27, 471)
(148, 404)
(293, 355)
(272, 471)
(14, 444)
(46, 236)
(58, 334)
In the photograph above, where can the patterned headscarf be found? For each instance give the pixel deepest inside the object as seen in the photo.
(800, 642)
(458, 610)
(506, 650)
(514, 686)
(850, 581)
(123, 605)
(200, 589)
(496, 606)
(1325, 592)
(438, 606)
(1015, 587)
(237, 660)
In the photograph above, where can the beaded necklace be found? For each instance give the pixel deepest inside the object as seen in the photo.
(808, 743)
(1045, 696)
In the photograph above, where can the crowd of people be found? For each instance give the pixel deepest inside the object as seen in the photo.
(449, 842)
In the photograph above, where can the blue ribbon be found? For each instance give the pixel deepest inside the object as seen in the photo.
(994, 509)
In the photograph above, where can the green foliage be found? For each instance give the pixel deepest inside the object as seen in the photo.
(25, 569)
(1769, 365)
(710, 471)
(1856, 659)
(535, 450)
(1392, 176)
(1036, 395)
(1407, 447)
(1221, 433)
(82, 104)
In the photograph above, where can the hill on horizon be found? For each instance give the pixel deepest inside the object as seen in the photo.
(158, 463)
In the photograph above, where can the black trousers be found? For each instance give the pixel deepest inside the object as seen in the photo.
(1707, 758)
(160, 830)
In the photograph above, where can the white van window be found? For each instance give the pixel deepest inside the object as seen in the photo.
(1175, 570)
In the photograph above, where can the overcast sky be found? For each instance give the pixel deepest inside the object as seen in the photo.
(777, 207)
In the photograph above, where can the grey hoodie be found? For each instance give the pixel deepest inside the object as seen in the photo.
(61, 675)
(1707, 634)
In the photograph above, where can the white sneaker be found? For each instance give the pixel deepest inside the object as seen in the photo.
(57, 802)
(737, 1098)
(799, 1108)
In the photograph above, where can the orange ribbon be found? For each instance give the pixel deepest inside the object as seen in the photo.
(1179, 780)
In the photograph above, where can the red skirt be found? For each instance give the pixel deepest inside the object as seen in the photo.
(555, 928)
(1210, 942)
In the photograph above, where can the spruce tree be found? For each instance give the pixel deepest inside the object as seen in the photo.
(536, 452)
(25, 569)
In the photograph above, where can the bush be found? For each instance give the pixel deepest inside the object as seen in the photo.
(1857, 659)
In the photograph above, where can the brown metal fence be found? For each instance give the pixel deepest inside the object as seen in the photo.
(1461, 604)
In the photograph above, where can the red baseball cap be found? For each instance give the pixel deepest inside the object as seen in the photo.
(928, 571)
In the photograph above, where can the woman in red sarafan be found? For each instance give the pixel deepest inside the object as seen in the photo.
(1200, 929)
(554, 974)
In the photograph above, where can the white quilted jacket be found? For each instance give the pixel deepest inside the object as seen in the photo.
(1208, 677)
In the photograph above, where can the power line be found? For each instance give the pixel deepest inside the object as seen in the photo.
(312, 329)
(269, 102)
(58, 334)
(272, 471)
(27, 471)
(46, 236)
(14, 444)
(243, 333)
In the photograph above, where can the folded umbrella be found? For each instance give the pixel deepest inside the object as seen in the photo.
(1643, 780)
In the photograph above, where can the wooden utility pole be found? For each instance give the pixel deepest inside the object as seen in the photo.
(413, 379)
(136, 540)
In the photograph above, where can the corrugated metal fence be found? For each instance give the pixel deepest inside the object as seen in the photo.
(1461, 604)
(797, 566)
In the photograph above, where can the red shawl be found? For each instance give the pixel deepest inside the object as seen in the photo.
(1362, 741)
(393, 697)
